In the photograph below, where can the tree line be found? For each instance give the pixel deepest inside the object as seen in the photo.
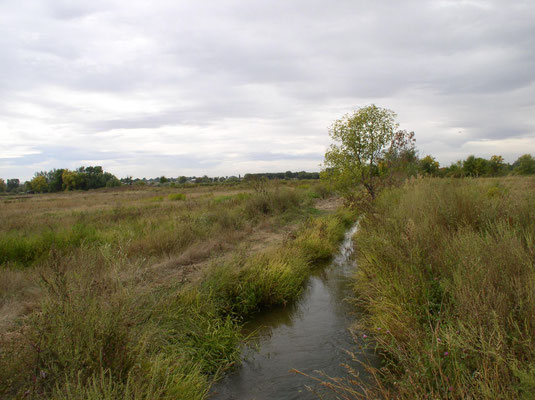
(94, 177)
(479, 167)
(56, 180)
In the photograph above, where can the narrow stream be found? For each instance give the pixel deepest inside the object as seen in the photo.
(310, 336)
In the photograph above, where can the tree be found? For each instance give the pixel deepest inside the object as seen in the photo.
(475, 167)
(2, 185)
(13, 184)
(55, 180)
(525, 165)
(496, 165)
(69, 179)
(363, 138)
(39, 184)
(429, 166)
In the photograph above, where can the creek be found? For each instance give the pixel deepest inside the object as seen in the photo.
(311, 336)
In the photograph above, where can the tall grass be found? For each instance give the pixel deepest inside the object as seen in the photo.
(446, 275)
(104, 329)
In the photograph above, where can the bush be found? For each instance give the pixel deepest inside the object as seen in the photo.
(176, 196)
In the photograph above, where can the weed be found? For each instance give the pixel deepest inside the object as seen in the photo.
(446, 273)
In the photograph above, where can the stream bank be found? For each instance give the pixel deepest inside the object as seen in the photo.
(310, 336)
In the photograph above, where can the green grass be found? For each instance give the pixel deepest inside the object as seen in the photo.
(106, 327)
(176, 196)
(446, 275)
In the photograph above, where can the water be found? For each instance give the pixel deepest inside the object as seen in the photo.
(310, 336)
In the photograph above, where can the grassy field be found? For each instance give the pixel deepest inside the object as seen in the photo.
(141, 293)
(446, 276)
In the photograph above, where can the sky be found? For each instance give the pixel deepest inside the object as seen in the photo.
(222, 87)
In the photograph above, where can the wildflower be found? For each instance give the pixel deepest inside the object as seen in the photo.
(364, 336)
(446, 353)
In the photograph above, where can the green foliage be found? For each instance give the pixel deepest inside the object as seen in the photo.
(475, 167)
(3, 185)
(446, 277)
(176, 196)
(369, 148)
(274, 278)
(12, 185)
(525, 165)
(429, 166)
(362, 137)
(496, 166)
(39, 184)
(26, 249)
(246, 286)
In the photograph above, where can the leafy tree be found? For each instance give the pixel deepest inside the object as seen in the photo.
(163, 179)
(429, 166)
(13, 184)
(401, 158)
(69, 179)
(2, 185)
(55, 180)
(39, 184)
(525, 165)
(362, 138)
(182, 179)
(111, 180)
(455, 170)
(475, 167)
(496, 166)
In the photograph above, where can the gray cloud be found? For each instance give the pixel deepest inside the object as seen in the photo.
(226, 80)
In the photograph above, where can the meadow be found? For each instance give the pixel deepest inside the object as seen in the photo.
(446, 272)
(140, 293)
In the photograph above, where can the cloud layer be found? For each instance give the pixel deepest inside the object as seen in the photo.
(227, 87)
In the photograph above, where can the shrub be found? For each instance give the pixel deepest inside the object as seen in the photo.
(176, 196)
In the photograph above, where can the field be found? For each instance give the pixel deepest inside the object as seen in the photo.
(446, 276)
(140, 293)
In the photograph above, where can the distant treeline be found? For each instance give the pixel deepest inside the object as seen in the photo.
(56, 180)
(85, 178)
(285, 175)
(478, 167)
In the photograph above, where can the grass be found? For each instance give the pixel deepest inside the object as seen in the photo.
(446, 276)
(114, 311)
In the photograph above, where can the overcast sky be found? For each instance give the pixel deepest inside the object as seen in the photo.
(167, 87)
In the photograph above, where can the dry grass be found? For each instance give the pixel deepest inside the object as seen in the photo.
(98, 296)
(446, 275)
